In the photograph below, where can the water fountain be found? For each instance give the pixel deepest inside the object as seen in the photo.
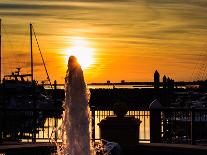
(75, 133)
(75, 126)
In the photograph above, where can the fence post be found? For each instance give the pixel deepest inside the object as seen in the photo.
(55, 100)
(1, 125)
(55, 92)
(34, 113)
(192, 125)
(155, 126)
(56, 129)
(93, 122)
(34, 125)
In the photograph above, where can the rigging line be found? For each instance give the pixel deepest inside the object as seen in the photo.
(18, 60)
(204, 70)
(197, 65)
(203, 74)
(203, 66)
(48, 78)
(21, 49)
(10, 44)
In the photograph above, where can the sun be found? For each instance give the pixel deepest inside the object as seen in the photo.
(82, 51)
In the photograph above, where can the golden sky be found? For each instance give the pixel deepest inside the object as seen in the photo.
(115, 39)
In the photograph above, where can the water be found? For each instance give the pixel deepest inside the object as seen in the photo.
(75, 126)
(144, 116)
(144, 132)
(106, 86)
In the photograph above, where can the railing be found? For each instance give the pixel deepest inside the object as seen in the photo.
(169, 125)
(28, 125)
(178, 125)
(100, 113)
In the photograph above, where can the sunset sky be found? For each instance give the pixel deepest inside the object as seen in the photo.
(114, 39)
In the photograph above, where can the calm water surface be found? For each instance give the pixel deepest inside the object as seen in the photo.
(144, 132)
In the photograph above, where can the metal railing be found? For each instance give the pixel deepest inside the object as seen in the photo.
(169, 125)
(37, 125)
(184, 125)
(100, 113)
(28, 125)
(178, 125)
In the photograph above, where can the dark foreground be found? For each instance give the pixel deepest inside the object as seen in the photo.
(166, 149)
(144, 149)
(27, 149)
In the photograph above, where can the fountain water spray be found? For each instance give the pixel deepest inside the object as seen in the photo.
(74, 129)
(75, 126)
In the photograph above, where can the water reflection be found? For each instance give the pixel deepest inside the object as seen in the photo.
(142, 115)
(144, 132)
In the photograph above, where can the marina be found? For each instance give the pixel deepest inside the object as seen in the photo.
(47, 107)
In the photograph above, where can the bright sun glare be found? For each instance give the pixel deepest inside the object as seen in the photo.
(80, 48)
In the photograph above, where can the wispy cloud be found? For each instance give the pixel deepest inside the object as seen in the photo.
(18, 6)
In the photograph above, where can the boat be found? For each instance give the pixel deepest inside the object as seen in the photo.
(19, 92)
(24, 103)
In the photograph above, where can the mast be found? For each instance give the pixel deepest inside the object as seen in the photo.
(0, 50)
(33, 90)
(31, 52)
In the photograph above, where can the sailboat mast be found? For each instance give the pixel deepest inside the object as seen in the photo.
(0, 50)
(31, 52)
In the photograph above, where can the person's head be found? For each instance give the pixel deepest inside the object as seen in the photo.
(72, 62)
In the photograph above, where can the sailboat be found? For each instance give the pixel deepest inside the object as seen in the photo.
(21, 98)
(17, 83)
